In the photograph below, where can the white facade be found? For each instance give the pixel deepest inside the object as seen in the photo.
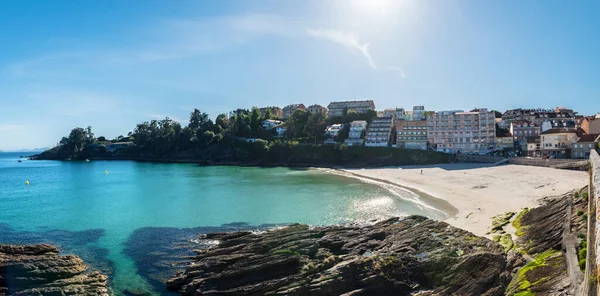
(269, 124)
(333, 130)
(354, 136)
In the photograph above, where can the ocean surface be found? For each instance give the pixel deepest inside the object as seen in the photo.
(121, 216)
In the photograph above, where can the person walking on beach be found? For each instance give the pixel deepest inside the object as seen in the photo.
(421, 172)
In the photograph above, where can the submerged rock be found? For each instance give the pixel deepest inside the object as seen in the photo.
(411, 256)
(40, 270)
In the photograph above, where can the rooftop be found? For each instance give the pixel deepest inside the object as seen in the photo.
(560, 131)
(589, 138)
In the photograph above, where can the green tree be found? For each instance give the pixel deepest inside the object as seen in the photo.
(297, 124)
(197, 120)
(255, 121)
(268, 114)
(316, 126)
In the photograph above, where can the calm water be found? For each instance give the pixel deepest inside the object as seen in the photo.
(85, 210)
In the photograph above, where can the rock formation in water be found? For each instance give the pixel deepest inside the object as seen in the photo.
(411, 256)
(40, 270)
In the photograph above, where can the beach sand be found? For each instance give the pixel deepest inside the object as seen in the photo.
(480, 191)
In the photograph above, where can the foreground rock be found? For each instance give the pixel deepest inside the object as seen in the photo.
(412, 256)
(39, 270)
(547, 236)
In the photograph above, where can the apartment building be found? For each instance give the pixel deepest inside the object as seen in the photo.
(289, 109)
(317, 109)
(462, 132)
(337, 108)
(357, 128)
(558, 141)
(583, 146)
(559, 117)
(417, 113)
(379, 132)
(276, 111)
(522, 129)
(411, 134)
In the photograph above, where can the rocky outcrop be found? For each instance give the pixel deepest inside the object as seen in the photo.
(547, 238)
(40, 270)
(410, 256)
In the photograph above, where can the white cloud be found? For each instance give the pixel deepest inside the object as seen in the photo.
(397, 69)
(345, 39)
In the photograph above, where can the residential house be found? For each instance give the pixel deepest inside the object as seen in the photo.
(355, 135)
(337, 108)
(290, 109)
(504, 141)
(317, 109)
(557, 123)
(269, 124)
(379, 132)
(583, 122)
(538, 116)
(275, 111)
(582, 148)
(331, 132)
(411, 134)
(522, 129)
(534, 147)
(462, 132)
(112, 147)
(557, 142)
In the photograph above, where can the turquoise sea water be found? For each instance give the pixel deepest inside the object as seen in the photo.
(85, 210)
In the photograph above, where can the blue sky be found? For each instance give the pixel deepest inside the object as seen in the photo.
(112, 64)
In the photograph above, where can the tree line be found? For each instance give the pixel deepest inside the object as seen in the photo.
(166, 137)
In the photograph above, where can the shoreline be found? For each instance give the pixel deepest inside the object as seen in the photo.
(437, 204)
(478, 191)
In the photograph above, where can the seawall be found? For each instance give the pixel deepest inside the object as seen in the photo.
(516, 160)
(592, 271)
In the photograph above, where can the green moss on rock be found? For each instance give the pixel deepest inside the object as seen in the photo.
(517, 222)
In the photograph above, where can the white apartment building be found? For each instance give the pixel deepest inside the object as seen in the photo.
(355, 134)
(379, 132)
(337, 108)
(462, 132)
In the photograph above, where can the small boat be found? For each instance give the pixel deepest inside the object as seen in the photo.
(20, 160)
(87, 160)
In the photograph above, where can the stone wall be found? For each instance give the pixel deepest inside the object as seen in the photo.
(593, 259)
(514, 160)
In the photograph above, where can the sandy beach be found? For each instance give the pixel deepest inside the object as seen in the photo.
(480, 191)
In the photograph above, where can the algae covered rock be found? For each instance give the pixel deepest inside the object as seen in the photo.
(40, 270)
(410, 256)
